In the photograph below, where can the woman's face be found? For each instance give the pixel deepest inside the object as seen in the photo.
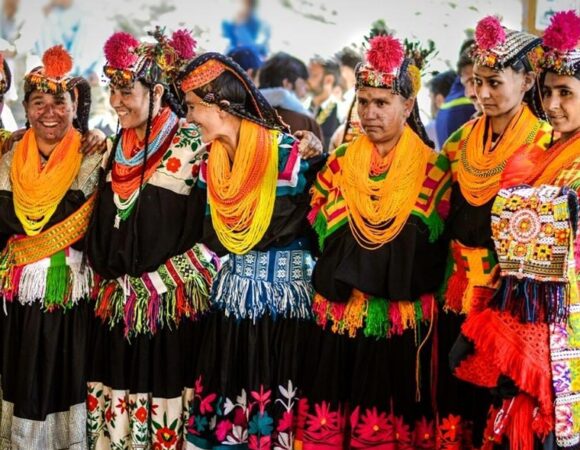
(382, 113)
(50, 115)
(131, 105)
(205, 116)
(500, 91)
(561, 102)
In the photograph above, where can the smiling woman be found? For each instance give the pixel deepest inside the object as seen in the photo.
(256, 182)
(142, 241)
(46, 187)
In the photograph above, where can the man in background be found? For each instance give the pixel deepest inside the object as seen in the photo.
(439, 88)
(459, 105)
(324, 76)
(282, 80)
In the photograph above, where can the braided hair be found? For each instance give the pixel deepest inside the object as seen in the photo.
(234, 92)
(405, 89)
(532, 97)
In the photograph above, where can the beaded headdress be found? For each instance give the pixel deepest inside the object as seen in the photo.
(387, 59)
(561, 41)
(497, 47)
(54, 77)
(207, 67)
(129, 60)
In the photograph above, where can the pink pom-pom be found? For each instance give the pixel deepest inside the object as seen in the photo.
(385, 54)
(120, 50)
(57, 62)
(564, 31)
(183, 43)
(489, 33)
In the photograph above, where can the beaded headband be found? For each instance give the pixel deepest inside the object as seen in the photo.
(387, 59)
(207, 67)
(53, 76)
(561, 41)
(154, 62)
(497, 47)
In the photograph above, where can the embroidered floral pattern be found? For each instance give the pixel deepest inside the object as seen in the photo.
(262, 420)
(323, 425)
(119, 420)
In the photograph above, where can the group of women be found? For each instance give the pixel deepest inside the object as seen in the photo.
(207, 281)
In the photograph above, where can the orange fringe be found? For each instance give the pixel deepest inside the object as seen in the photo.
(500, 340)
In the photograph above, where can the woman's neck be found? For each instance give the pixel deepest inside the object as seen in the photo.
(46, 147)
(567, 136)
(230, 139)
(501, 122)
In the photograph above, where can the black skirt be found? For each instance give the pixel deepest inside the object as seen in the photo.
(44, 375)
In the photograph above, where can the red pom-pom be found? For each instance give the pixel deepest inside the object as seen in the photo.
(489, 33)
(564, 31)
(385, 54)
(120, 50)
(183, 43)
(57, 62)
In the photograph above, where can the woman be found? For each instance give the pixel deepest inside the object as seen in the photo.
(46, 187)
(245, 389)
(378, 209)
(141, 241)
(504, 74)
(530, 342)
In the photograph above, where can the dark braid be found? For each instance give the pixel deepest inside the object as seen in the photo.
(414, 121)
(175, 104)
(348, 123)
(533, 99)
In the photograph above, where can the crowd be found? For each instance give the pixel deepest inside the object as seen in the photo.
(238, 267)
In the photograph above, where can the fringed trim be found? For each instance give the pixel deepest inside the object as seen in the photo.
(275, 282)
(376, 317)
(177, 289)
(469, 270)
(517, 419)
(512, 348)
(319, 225)
(247, 298)
(433, 222)
(60, 281)
(534, 301)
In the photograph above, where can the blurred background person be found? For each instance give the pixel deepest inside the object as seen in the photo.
(282, 81)
(439, 87)
(249, 59)
(348, 58)
(7, 121)
(67, 23)
(10, 22)
(458, 107)
(323, 77)
(247, 29)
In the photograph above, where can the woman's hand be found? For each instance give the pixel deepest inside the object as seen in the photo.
(14, 137)
(309, 145)
(93, 141)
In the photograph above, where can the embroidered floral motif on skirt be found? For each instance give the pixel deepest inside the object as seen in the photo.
(367, 389)
(245, 388)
